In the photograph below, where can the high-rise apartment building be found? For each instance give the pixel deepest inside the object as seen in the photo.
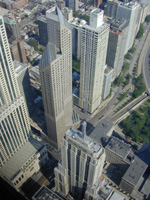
(14, 123)
(56, 76)
(112, 6)
(81, 166)
(20, 155)
(94, 41)
(17, 49)
(72, 4)
(12, 27)
(42, 24)
(131, 12)
(76, 25)
(118, 35)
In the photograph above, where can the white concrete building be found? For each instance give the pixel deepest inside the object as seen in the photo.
(19, 156)
(81, 166)
(94, 41)
(14, 122)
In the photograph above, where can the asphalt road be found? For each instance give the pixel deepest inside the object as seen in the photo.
(127, 108)
(146, 69)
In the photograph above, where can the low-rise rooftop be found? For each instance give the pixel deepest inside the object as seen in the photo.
(135, 171)
(103, 130)
(17, 161)
(19, 67)
(45, 193)
(119, 147)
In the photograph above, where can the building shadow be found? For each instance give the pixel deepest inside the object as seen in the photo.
(8, 192)
(115, 172)
(89, 128)
(30, 187)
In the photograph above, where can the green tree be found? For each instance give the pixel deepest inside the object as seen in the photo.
(140, 32)
(76, 65)
(33, 43)
(147, 19)
(128, 56)
(118, 81)
(132, 50)
(127, 80)
(125, 67)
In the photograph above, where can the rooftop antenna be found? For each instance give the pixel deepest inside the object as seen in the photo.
(84, 124)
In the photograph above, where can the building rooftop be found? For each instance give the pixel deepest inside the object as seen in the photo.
(118, 25)
(105, 191)
(102, 130)
(3, 11)
(131, 4)
(100, 29)
(49, 55)
(108, 69)
(9, 20)
(42, 18)
(35, 71)
(135, 171)
(78, 22)
(56, 15)
(146, 187)
(8, 2)
(119, 147)
(114, 1)
(18, 160)
(19, 67)
(83, 141)
(116, 196)
(144, 153)
(45, 193)
(96, 11)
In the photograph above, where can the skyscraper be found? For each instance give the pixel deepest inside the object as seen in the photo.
(73, 4)
(81, 166)
(94, 41)
(131, 12)
(14, 123)
(42, 24)
(118, 36)
(12, 27)
(20, 155)
(56, 76)
(112, 6)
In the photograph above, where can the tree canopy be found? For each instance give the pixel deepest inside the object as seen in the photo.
(137, 124)
(139, 86)
(140, 32)
(147, 19)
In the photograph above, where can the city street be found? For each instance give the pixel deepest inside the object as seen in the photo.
(146, 69)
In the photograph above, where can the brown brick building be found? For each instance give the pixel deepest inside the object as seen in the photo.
(17, 49)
